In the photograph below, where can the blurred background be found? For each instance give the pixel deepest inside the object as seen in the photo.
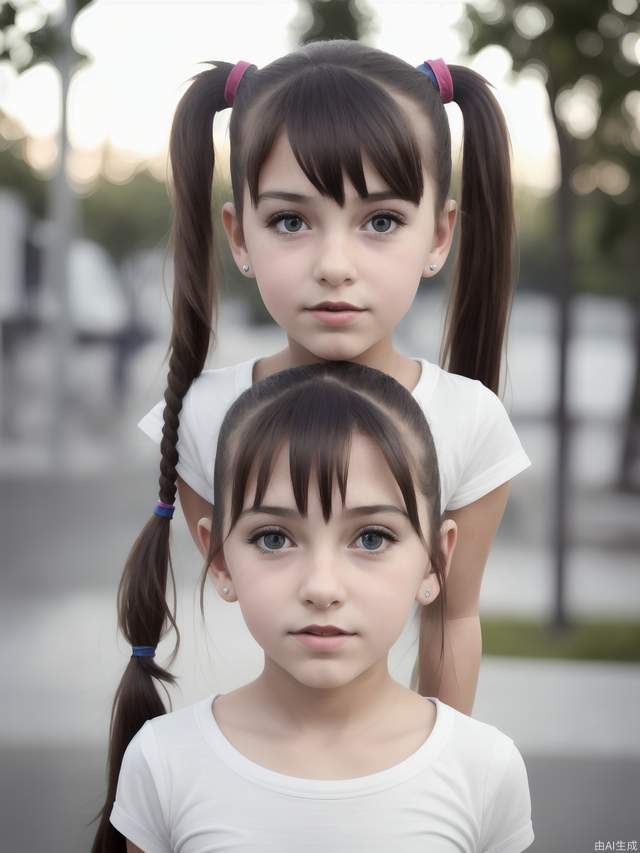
(87, 94)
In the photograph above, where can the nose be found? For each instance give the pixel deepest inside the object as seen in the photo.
(321, 585)
(334, 265)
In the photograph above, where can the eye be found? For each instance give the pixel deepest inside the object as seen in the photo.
(293, 219)
(383, 221)
(373, 538)
(272, 540)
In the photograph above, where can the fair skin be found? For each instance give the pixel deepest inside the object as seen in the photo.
(344, 572)
(337, 712)
(358, 254)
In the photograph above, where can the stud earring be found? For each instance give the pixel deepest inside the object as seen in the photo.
(246, 268)
(433, 267)
(427, 594)
(225, 589)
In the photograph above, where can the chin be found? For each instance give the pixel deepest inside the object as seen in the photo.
(336, 348)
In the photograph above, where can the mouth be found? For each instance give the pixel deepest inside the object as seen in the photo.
(317, 634)
(336, 315)
(335, 307)
(322, 642)
(323, 631)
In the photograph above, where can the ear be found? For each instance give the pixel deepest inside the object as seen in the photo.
(235, 237)
(431, 584)
(217, 567)
(448, 539)
(442, 237)
(203, 531)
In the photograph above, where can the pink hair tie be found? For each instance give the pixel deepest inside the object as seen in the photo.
(443, 76)
(233, 81)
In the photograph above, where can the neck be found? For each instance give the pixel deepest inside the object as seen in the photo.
(299, 710)
(381, 356)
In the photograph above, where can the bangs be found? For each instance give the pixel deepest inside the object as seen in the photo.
(334, 117)
(318, 421)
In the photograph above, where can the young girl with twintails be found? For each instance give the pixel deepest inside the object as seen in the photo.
(327, 529)
(340, 170)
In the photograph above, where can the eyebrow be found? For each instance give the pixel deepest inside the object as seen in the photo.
(286, 512)
(384, 195)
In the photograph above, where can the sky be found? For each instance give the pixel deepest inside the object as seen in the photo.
(143, 53)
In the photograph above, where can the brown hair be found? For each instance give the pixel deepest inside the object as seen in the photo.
(316, 409)
(335, 101)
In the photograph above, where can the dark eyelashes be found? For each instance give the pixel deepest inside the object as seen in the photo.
(386, 214)
(260, 533)
(386, 534)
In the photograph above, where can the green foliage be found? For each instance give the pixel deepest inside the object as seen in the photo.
(568, 42)
(125, 218)
(24, 47)
(17, 175)
(331, 19)
(611, 640)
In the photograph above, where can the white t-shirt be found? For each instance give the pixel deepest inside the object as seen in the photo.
(183, 787)
(476, 444)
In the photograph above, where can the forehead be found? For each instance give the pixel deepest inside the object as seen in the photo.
(369, 481)
(281, 164)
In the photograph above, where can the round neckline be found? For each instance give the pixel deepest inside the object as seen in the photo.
(422, 391)
(418, 761)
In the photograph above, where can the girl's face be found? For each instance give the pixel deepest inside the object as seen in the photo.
(361, 571)
(304, 249)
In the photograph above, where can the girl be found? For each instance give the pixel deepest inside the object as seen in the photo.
(326, 529)
(340, 169)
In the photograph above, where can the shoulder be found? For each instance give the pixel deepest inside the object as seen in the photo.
(175, 726)
(217, 387)
(481, 746)
(460, 411)
(211, 393)
(441, 388)
(205, 405)
(492, 762)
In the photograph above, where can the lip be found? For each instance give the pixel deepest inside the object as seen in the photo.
(321, 629)
(336, 318)
(323, 644)
(335, 306)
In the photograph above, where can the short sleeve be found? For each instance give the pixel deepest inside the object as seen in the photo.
(506, 825)
(189, 466)
(138, 811)
(495, 454)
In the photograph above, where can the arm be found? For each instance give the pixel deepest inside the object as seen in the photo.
(194, 507)
(455, 680)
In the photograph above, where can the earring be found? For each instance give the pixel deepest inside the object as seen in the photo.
(246, 268)
(433, 267)
(427, 594)
(225, 589)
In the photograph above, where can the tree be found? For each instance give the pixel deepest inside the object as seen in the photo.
(331, 19)
(576, 47)
(30, 33)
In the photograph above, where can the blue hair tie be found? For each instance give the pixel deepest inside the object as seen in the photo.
(164, 510)
(143, 651)
(428, 70)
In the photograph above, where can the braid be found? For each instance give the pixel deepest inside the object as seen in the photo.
(178, 383)
(144, 614)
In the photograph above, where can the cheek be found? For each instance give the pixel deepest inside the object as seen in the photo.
(277, 289)
(260, 598)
